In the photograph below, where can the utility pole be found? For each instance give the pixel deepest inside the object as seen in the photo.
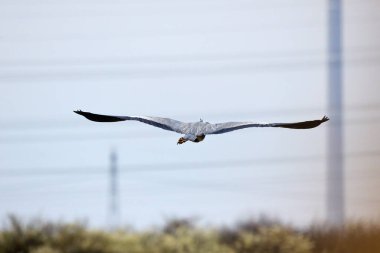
(114, 212)
(335, 173)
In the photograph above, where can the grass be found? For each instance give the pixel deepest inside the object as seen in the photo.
(183, 236)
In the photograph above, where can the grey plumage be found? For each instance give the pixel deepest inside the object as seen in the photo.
(197, 129)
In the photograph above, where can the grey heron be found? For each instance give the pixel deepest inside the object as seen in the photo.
(197, 131)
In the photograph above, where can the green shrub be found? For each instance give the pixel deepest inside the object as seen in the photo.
(182, 236)
(44, 249)
(271, 239)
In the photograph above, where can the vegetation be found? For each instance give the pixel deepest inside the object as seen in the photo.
(182, 236)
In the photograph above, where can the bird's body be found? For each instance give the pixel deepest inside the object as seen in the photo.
(197, 131)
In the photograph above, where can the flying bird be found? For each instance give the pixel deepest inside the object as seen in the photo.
(197, 131)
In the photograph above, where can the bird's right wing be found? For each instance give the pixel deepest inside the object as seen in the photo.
(221, 128)
(164, 123)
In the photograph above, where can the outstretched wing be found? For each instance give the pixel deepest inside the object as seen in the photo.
(164, 123)
(221, 128)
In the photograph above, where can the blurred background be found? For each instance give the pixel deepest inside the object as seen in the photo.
(216, 60)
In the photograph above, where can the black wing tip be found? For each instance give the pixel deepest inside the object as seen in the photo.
(325, 118)
(305, 124)
(80, 112)
(87, 115)
(98, 117)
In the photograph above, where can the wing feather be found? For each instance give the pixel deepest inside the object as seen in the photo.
(164, 123)
(221, 128)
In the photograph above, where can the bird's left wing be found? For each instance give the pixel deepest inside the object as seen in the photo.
(221, 128)
(164, 123)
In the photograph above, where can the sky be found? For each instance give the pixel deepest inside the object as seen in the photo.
(216, 60)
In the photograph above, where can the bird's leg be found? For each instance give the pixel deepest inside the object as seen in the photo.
(181, 140)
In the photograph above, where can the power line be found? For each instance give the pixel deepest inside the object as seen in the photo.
(183, 32)
(244, 6)
(184, 58)
(155, 34)
(171, 2)
(215, 6)
(261, 182)
(238, 28)
(225, 69)
(178, 166)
